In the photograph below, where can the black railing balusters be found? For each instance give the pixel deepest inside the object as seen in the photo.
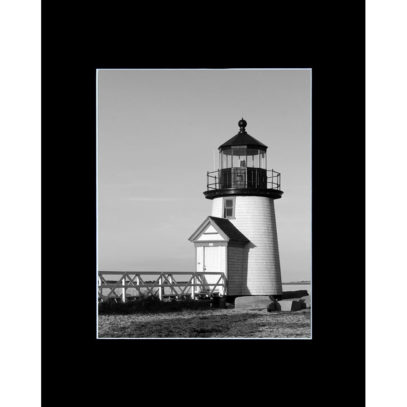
(253, 178)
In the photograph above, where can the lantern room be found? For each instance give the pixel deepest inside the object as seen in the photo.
(242, 166)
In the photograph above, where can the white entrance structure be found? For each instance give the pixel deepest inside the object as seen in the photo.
(240, 237)
(221, 247)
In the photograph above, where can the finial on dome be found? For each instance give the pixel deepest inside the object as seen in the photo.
(242, 124)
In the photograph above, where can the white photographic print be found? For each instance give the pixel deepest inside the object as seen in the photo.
(204, 204)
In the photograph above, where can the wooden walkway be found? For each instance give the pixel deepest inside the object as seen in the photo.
(114, 284)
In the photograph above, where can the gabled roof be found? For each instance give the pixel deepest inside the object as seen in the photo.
(230, 230)
(224, 226)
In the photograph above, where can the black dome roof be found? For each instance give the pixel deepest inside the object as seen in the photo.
(243, 139)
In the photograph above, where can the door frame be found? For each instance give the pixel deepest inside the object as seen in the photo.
(211, 244)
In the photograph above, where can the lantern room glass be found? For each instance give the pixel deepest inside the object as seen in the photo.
(242, 157)
(263, 159)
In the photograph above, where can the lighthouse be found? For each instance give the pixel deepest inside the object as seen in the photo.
(239, 238)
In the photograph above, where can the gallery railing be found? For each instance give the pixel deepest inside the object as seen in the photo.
(118, 284)
(243, 177)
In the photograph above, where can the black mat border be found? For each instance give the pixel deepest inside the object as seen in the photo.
(330, 40)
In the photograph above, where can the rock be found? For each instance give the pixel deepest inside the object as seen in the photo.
(294, 294)
(292, 305)
(298, 305)
(252, 302)
(274, 306)
(306, 300)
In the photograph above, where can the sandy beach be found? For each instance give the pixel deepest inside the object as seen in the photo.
(217, 323)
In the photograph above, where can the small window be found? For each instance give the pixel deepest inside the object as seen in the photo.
(229, 208)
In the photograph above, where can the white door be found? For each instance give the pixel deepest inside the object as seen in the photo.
(212, 258)
(199, 258)
(213, 262)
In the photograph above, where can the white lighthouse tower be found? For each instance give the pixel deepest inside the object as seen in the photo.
(239, 238)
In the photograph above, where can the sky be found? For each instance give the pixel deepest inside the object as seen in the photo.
(159, 133)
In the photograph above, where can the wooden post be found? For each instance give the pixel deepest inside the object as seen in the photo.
(193, 287)
(138, 281)
(172, 289)
(124, 288)
(160, 288)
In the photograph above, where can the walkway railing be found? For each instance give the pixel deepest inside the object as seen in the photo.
(173, 283)
(243, 177)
